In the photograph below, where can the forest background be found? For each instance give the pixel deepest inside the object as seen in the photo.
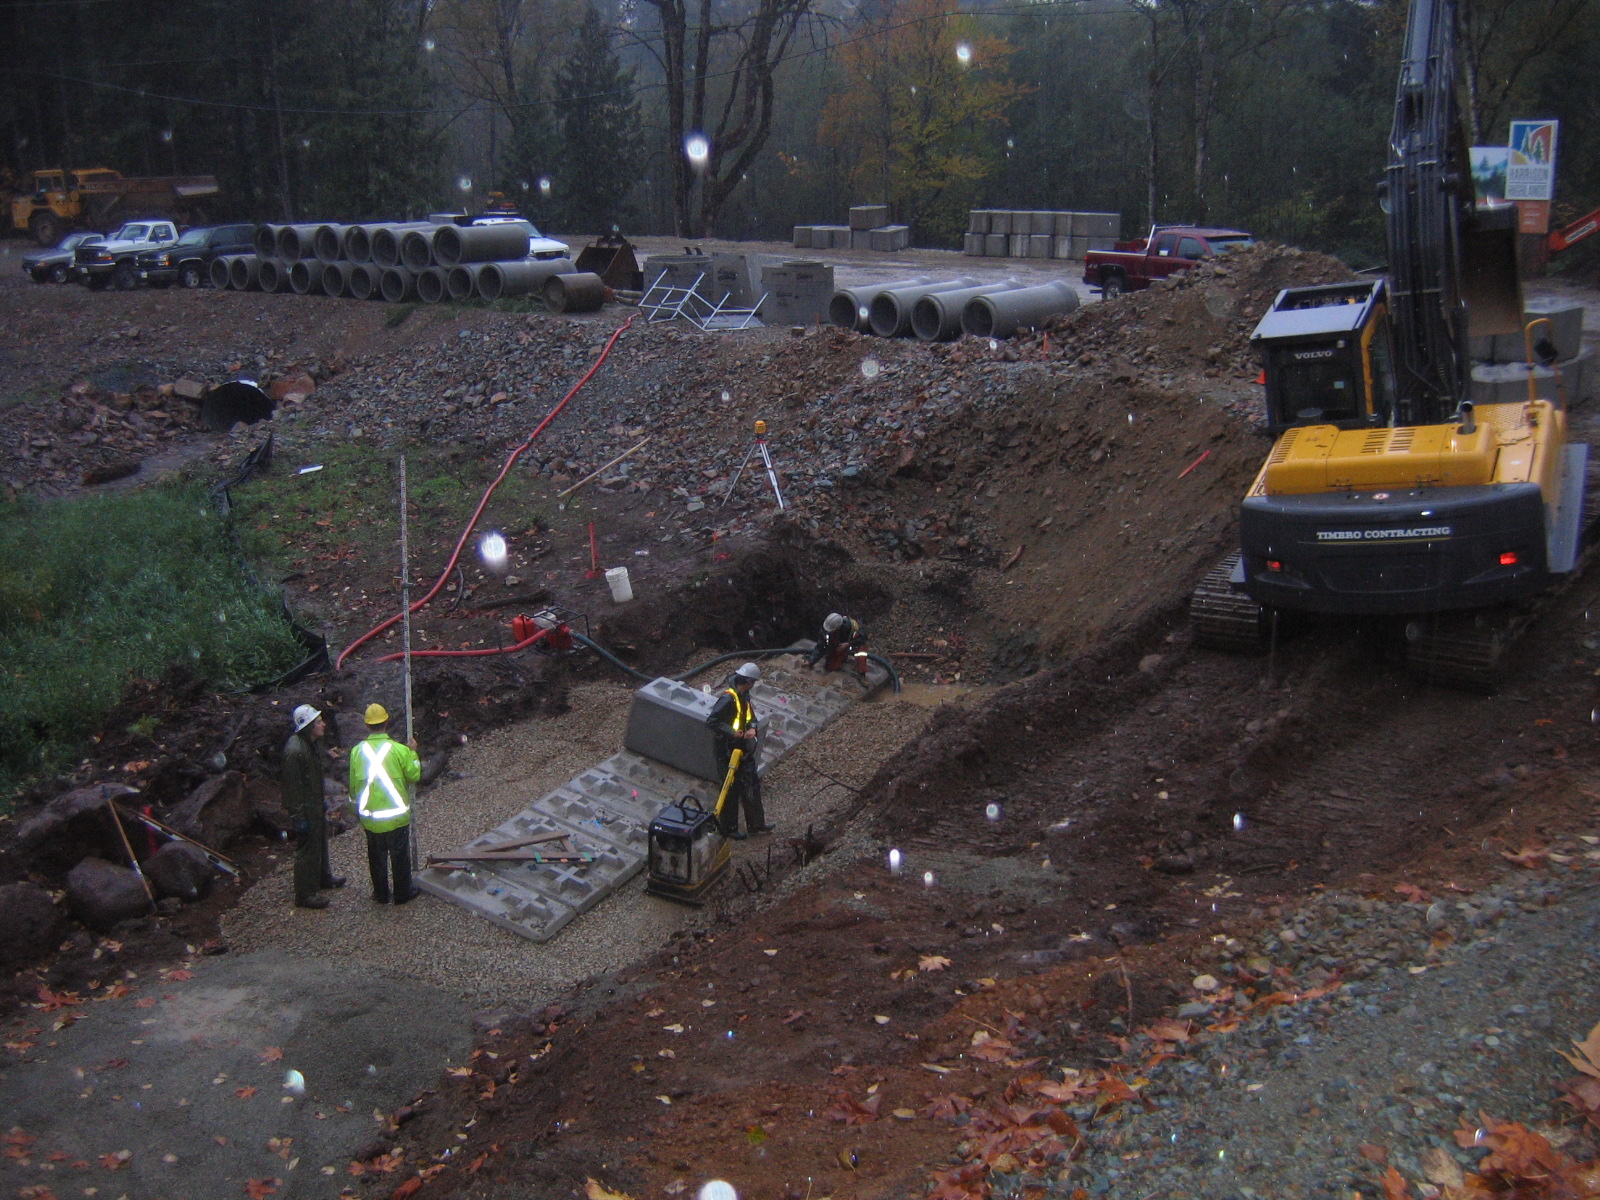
(1271, 115)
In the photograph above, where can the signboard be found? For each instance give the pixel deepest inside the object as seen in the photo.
(1533, 216)
(1489, 173)
(1531, 169)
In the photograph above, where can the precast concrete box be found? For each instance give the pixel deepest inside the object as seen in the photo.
(869, 216)
(679, 271)
(1100, 243)
(839, 236)
(861, 239)
(892, 238)
(1039, 245)
(1097, 225)
(1063, 226)
(972, 244)
(1043, 222)
(668, 723)
(798, 292)
(1061, 247)
(1507, 383)
(995, 245)
(1565, 331)
(802, 237)
(978, 220)
(999, 221)
(1017, 245)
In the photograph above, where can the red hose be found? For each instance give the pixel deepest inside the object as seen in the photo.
(482, 504)
(522, 645)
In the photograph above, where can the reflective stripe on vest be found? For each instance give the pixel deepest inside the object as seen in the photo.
(377, 775)
(743, 713)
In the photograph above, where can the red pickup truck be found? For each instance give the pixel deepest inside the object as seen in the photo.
(1169, 249)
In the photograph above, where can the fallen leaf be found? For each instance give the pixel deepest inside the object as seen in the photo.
(1440, 1168)
(145, 1002)
(594, 1190)
(1587, 1059)
(932, 962)
(673, 1028)
(1169, 1030)
(271, 1054)
(51, 1001)
(409, 1188)
(1412, 892)
(1531, 856)
(244, 1093)
(1394, 1186)
(258, 1189)
(1376, 1154)
(458, 1072)
(116, 1160)
(179, 975)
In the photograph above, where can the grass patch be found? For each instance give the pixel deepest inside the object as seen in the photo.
(397, 315)
(99, 591)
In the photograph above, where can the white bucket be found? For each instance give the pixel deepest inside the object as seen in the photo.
(621, 589)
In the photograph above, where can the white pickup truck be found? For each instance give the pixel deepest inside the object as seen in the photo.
(112, 261)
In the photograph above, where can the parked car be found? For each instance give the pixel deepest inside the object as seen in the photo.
(56, 265)
(1169, 249)
(112, 261)
(188, 260)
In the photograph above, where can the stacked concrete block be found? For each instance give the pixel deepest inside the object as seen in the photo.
(1500, 376)
(891, 238)
(1040, 245)
(994, 245)
(802, 237)
(1000, 222)
(978, 221)
(1097, 225)
(1044, 223)
(797, 292)
(1007, 233)
(1565, 330)
(864, 217)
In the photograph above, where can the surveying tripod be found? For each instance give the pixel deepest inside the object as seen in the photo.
(758, 446)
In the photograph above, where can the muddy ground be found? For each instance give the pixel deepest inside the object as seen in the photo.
(1071, 846)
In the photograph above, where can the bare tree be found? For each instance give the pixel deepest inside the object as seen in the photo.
(1498, 40)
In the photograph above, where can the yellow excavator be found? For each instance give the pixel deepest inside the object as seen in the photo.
(1387, 493)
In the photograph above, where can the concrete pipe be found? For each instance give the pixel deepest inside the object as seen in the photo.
(333, 278)
(851, 308)
(386, 242)
(937, 316)
(363, 281)
(328, 242)
(454, 245)
(296, 242)
(889, 314)
(358, 242)
(272, 275)
(416, 247)
(575, 292)
(398, 284)
(305, 276)
(244, 272)
(496, 281)
(462, 282)
(219, 271)
(1003, 313)
(267, 240)
(431, 283)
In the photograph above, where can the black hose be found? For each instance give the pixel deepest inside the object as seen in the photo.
(610, 657)
(894, 676)
(722, 658)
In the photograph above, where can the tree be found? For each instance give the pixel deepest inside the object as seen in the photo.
(923, 99)
(598, 122)
(1499, 41)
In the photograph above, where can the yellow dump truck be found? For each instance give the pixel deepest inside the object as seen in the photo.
(100, 199)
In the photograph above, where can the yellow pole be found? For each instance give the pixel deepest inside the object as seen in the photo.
(727, 784)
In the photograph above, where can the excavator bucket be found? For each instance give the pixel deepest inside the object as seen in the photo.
(1491, 283)
(612, 258)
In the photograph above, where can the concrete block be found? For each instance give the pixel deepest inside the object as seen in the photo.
(999, 221)
(892, 238)
(1097, 225)
(995, 245)
(733, 279)
(869, 216)
(1565, 330)
(1061, 247)
(1099, 243)
(1022, 222)
(1039, 245)
(797, 292)
(802, 237)
(839, 236)
(1017, 245)
(861, 239)
(1042, 222)
(679, 270)
(1063, 225)
(1507, 383)
(978, 221)
(972, 244)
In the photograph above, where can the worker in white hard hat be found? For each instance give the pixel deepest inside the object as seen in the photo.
(303, 761)
(734, 720)
(382, 772)
(841, 642)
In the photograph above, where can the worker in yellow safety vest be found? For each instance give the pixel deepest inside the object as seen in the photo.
(382, 771)
(733, 718)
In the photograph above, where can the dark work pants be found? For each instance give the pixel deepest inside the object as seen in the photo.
(385, 850)
(311, 860)
(745, 793)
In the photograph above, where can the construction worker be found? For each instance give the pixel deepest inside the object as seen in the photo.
(841, 639)
(381, 774)
(734, 720)
(302, 796)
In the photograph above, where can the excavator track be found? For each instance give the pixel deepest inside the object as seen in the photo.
(1223, 618)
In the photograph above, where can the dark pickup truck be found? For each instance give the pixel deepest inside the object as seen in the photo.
(1169, 249)
(188, 260)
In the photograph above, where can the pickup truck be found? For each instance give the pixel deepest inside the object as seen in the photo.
(1169, 249)
(188, 260)
(113, 259)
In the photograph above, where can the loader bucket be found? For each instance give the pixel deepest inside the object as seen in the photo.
(612, 258)
(1491, 284)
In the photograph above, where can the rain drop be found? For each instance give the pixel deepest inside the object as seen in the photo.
(992, 811)
(493, 550)
(927, 879)
(1238, 822)
(430, 45)
(295, 1083)
(464, 183)
(716, 1189)
(894, 862)
(963, 53)
(544, 186)
(726, 399)
(698, 150)
(870, 367)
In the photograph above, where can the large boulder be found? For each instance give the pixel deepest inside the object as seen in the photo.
(217, 813)
(179, 869)
(102, 893)
(72, 825)
(30, 926)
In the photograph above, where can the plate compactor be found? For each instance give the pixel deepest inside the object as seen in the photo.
(688, 853)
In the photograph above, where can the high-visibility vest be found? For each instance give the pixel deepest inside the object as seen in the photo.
(744, 713)
(381, 799)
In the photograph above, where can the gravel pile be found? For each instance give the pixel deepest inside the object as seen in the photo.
(1452, 1007)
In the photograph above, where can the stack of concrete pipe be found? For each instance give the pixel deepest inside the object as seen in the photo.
(938, 310)
(399, 261)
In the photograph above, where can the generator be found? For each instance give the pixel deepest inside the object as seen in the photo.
(688, 854)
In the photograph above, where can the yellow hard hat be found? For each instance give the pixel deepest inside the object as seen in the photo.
(377, 715)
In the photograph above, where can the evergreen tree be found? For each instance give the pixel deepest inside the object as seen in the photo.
(597, 123)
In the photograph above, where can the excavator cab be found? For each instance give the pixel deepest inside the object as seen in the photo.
(1327, 356)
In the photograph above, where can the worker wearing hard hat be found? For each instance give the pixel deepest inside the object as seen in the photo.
(842, 640)
(382, 771)
(734, 720)
(302, 796)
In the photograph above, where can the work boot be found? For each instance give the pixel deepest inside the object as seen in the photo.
(763, 829)
(380, 897)
(407, 898)
(333, 881)
(312, 902)
(734, 835)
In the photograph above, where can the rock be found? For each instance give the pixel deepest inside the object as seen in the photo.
(217, 812)
(296, 381)
(102, 894)
(30, 925)
(189, 389)
(71, 826)
(179, 870)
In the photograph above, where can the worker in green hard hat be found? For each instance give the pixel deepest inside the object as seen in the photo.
(734, 720)
(382, 772)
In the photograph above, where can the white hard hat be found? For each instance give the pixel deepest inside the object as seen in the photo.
(749, 671)
(303, 716)
(834, 622)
